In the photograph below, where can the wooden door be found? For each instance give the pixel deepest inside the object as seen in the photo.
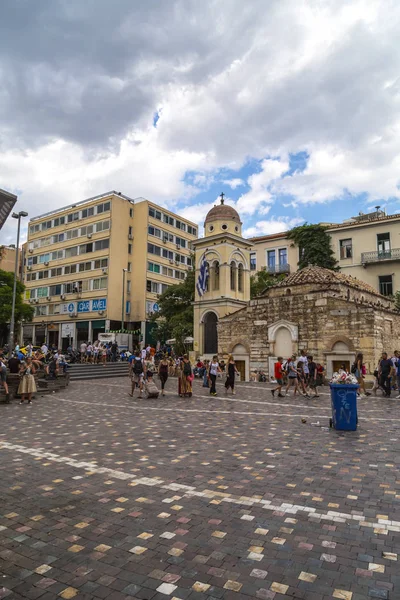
(241, 367)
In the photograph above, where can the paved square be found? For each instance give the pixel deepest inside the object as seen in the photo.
(103, 496)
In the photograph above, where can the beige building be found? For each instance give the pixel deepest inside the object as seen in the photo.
(366, 247)
(101, 262)
(227, 255)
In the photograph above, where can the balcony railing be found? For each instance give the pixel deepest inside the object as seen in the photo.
(274, 269)
(375, 257)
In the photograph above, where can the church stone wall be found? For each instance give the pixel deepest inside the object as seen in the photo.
(323, 318)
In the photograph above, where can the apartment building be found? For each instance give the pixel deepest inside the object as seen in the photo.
(366, 246)
(100, 263)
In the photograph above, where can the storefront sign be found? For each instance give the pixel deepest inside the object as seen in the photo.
(99, 304)
(83, 306)
(67, 330)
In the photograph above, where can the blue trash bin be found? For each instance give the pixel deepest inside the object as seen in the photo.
(344, 406)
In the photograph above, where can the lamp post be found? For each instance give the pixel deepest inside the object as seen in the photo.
(123, 299)
(18, 216)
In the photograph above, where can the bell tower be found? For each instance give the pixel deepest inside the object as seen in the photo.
(225, 255)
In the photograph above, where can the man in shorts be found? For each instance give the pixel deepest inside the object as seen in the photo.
(292, 375)
(136, 373)
(312, 380)
(278, 373)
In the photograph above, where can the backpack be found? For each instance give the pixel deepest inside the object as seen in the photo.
(187, 369)
(137, 366)
(285, 367)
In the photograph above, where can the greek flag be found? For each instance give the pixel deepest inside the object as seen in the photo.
(201, 284)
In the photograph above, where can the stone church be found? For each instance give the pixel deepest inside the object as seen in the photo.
(327, 313)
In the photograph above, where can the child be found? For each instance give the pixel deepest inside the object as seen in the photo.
(278, 373)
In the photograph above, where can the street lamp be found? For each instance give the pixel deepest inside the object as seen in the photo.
(123, 299)
(18, 216)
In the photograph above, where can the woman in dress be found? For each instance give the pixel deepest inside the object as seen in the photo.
(231, 372)
(27, 385)
(184, 379)
(357, 370)
(163, 369)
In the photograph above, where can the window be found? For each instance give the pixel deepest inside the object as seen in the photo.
(178, 224)
(271, 258)
(85, 248)
(233, 276)
(102, 226)
(130, 230)
(100, 283)
(128, 307)
(57, 254)
(189, 262)
(54, 309)
(167, 271)
(153, 267)
(386, 285)
(215, 274)
(131, 212)
(129, 248)
(40, 311)
(346, 248)
(129, 267)
(153, 231)
(42, 292)
(383, 240)
(192, 230)
(55, 290)
(168, 254)
(152, 249)
(152, 286)
(128, 286)
(181, 242)
(282, 252)
(149, 307)
(253, 261)
(101, 245)
(73, 251)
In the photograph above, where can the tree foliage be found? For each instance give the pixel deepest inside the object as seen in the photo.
(23, 312)
(262, 280)
(175, 319)
(314, 245)
(397, 300)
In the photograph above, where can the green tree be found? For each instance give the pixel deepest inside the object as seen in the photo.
(23, 312)
(175, 319)
(314, 245)
(263, 280)
(397, 300)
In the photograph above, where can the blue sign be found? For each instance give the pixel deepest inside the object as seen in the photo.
(156, 307)
(99, 304)
(83, 306)
(71, 307)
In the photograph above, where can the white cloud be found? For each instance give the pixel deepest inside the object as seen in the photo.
(277, 225)
(234, 183)
(231, 81)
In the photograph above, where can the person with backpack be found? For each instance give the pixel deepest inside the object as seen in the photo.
(163, 369)
(185, 378)
(136, 372)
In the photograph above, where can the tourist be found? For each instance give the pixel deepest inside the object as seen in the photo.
(357, 370)
(3, 378)
(28, 349)
(14, 364)
(27, 384)
(185, 378)
(278, 374)
(312, 378)
(384, 373)
(136, 373)
(205, 374)
(230, 377)
(292, 374)
(302, 378)
(83, 351)
(89, 352)
(213, 371)
(114, 351)
(304, 360)
(163, 369)
(396, 365)
(44, 349)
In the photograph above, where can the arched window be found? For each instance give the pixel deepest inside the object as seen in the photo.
(233, 276)
(208, 278)
(216, 275)
(240, 277)
(210, 333)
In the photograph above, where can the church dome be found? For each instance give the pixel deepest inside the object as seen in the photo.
(222, 212)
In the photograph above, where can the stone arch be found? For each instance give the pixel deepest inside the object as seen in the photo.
(239, 342)
(341, 338)
(238, 256)
(274, 327)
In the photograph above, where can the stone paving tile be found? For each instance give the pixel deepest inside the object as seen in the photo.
(108, 497)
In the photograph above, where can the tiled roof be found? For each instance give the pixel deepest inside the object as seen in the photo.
(319, 275)
(222, 211)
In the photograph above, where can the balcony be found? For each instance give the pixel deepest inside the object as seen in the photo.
(368, 258)
(276, 269)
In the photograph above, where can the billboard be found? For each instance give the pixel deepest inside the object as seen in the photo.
(7, 202)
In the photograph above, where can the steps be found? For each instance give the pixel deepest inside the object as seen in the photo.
(83, 371)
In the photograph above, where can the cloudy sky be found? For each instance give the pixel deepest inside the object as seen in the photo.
(291, 107)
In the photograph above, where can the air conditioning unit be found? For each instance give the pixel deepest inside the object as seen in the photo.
(63, 296)
(130, 236)
(30, 250)
(89, 236)
(178, 246)
(72, 314)
(101, 312)
(31, 301)
(48, 298)
(29, 268)
(171, 262)
(36, 301)
(46, 264)
(105, 270)
(165, 239)
(177, 262)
